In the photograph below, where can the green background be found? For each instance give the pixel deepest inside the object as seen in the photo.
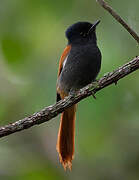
(32, 38)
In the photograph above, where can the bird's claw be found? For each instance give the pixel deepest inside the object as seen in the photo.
(94, 85)
(115, 82)
(93, 94)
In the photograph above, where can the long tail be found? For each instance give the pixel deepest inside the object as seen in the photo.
(66, 137)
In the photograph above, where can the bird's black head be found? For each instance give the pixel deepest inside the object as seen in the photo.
(81, 33)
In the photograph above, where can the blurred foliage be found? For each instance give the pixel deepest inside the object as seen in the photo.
(107, 130)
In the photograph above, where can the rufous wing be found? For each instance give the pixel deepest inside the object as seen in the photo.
(61, 62)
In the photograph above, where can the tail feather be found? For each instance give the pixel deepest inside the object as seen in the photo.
(66, 137)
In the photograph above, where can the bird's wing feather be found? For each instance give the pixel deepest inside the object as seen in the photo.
(63, 58)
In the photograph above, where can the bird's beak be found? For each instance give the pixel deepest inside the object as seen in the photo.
(93, 27)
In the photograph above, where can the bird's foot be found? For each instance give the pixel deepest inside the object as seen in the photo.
(93, 86)
(93, 94)
(115, 82)
(72, 93)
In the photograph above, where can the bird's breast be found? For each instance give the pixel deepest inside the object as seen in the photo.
(80, 67)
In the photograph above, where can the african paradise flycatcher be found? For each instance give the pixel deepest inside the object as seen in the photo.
(79, 65)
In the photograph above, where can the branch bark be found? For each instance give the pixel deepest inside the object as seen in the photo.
(119, 19)
(52, 111)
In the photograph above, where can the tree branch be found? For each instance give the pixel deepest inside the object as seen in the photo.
(52, 111)
(119, 19)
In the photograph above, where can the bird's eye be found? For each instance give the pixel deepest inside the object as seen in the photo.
(83, 34)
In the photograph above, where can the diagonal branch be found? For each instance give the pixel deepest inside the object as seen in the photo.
(119, 19)
(52, 111)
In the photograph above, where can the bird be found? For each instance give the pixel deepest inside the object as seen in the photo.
(79, 65)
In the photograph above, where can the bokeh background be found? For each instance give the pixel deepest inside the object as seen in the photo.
(32, 38)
